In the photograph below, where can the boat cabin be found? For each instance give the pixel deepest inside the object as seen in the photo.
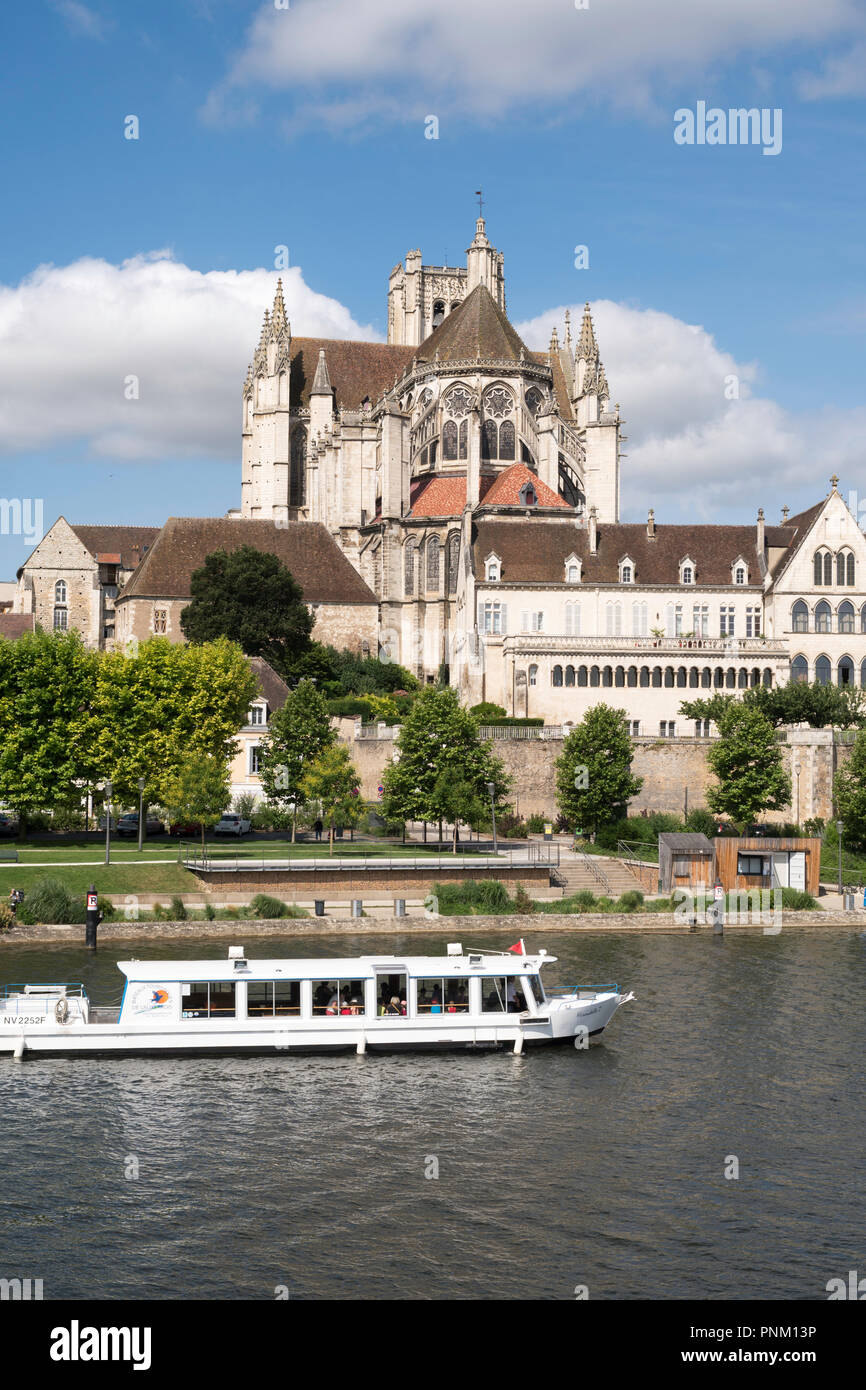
(326, 990)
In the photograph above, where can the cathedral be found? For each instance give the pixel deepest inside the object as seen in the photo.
(451, 499)
(401, 449)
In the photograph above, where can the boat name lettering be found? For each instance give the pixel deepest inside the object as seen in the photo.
(21, 1019)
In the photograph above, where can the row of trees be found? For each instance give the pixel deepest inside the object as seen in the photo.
(71, 718)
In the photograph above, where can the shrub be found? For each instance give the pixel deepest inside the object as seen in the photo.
(630, 901)
(209, 912)
(486, 712)
(701, 822)
(522, 900)
(158, 912)
(50, 901)
(178, 911)
(510, 826)
(244, 805)
(7, 917)
(796, 900)
(562, 824)
(474, 896)
(535, 824)
(263, 905)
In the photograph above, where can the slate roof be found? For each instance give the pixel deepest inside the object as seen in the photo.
(535, 552)
(15, 624)
(797, 528)
(687, 841)
(305, 547)
(355, 370)
(477, 330)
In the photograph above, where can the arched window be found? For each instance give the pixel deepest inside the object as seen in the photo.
(60, 591)
(739, 575)
(731, 679)
(572, 574)
(800, 617)
(534, 399)
(619, 676)
(657, 677)
(845, 617)
(845, 671)
(489, 440)
(694, 677)
(607, 676)
(863, 674)
(828, 568)
(506, 440)
(822, 670)
(849, 568)
(594, 679)
(409, 569)
(296, 466)
(756, 676)
(557, 675)
(681, 677)
(453, 557)
(449, 440)
(743, 679)
(840, 567)
(644, 677)
(632, 676)
(438, 313)
(582, 675)
(822, 616)
(706, 678)
(433, 564)
(569, 675)
(464, 438)
(533, 675)
(669, 677)
(768, 677)
(818, 563)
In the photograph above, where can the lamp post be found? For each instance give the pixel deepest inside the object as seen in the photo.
(840, 826)
(108, 791)
(797, 770)
(491, 787)
(141, 785)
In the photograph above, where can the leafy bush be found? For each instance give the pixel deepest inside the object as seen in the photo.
(701, 822)
(486, 712)
(244, 805)
(510, 826)
(7, 917)
(535, 824)
(178, 911)
(209, 912)
(472, 897)
(49, 901)
(630, 901)
(522, 900)
(263, 905)
(797, 901)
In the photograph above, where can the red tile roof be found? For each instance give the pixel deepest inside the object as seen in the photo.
(437, 496)
(504, 491)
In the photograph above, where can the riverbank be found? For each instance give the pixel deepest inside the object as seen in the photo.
(535, 924)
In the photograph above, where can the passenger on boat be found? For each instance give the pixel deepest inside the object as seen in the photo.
(512, 998)
(322, 996)
(436, 1002)
(355, 1007)
(394, 1006)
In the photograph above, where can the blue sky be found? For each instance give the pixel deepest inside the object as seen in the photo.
(305, 127)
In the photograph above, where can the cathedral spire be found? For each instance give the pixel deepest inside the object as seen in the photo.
(278, 317)
(266, 328)
(587, 347)
(322, 381)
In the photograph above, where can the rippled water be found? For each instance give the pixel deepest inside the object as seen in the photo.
(560, 1168)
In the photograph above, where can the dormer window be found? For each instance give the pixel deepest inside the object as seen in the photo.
(687, 571)
(528, 496)
(740, 571)
(493, 569)
(257, 715)
(626, 570)
(572, 570)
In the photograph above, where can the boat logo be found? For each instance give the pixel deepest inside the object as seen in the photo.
(146, 1000)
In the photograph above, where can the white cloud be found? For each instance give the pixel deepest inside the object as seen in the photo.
(841, 76)
(692, 451)
(71, 335)
(79, 19)
(400, 60)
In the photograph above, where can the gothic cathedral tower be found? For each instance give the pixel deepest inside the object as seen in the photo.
(272, 482)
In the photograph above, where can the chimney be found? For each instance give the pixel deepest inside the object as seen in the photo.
(593, 530)
(785, 511)
(760, 541)
(651, 525)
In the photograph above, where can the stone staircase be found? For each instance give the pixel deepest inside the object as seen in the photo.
(603, 877)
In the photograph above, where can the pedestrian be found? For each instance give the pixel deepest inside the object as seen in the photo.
(317, 826)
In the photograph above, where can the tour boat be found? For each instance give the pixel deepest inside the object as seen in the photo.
(480, 999)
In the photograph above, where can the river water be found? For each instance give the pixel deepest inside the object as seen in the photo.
(561, 1168)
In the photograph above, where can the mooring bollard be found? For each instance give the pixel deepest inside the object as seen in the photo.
(399, 907)
(320, 907)
(92, 919)
(357, 907)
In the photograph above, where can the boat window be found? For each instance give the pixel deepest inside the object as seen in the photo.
(271, 998)
(335, 997)
(209, 999)
(501, 994)
(537, 988)
(389, 988)
(442, 996)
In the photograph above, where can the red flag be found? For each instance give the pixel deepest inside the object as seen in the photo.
(518, 948)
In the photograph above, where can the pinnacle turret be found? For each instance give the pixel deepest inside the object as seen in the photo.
(587, 347)
(322, 381)
(278, 317)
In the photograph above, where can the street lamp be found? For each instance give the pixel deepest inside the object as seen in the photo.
(108, 791)
(141, 785)
(840, 826)
(797, 770)
(491, 787)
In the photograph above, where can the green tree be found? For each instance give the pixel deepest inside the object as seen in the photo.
(594, 781)
(47, 684)
(819, 706)
(296, 736)
(152, 710)
(200, 790)
(332, 780)
(849, 791)
(438, 743)
(459, 800)
(747, 760)
(250, 597)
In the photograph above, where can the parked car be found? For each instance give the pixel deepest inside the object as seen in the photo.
(8, 824)
(100, 824)
(230, 824)
(128, 824)
(184, 827)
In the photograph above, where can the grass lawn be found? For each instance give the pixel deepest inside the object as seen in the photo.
(112, 878)
(122, 853)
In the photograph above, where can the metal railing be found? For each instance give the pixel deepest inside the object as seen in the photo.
(645, 870)
(530, 856)
(589, 863)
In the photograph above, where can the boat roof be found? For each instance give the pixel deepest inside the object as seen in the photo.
(241, 966)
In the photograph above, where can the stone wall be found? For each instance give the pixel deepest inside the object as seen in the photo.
(351, 883)
(675, 771)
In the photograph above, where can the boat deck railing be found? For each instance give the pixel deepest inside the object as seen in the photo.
(73, 988)
(579, 991)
